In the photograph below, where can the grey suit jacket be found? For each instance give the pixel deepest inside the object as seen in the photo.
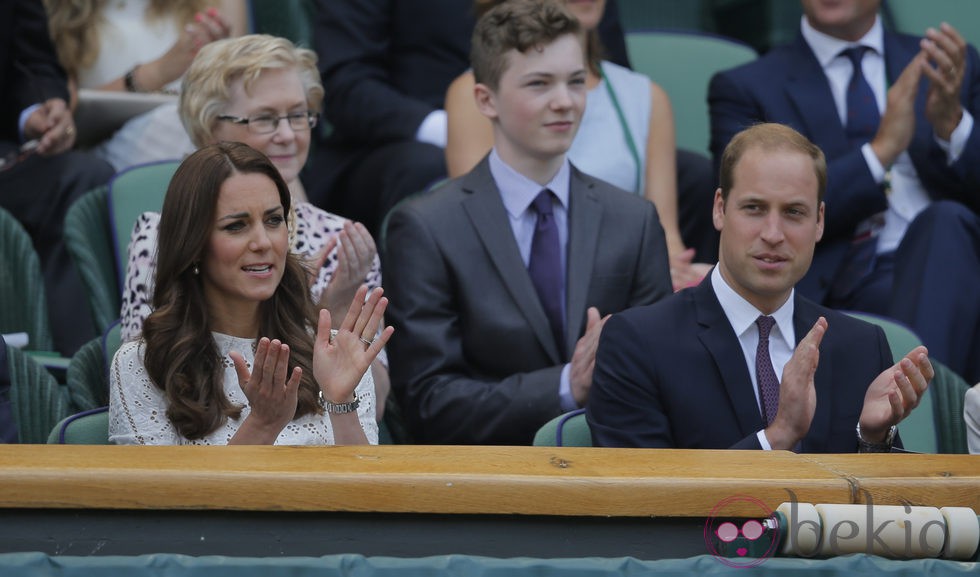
(472, 358)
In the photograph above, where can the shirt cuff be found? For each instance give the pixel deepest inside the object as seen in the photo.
(874, 165)
(957, 140)
(24, 115)
(763, 440)
(565, 397)
(434, 129)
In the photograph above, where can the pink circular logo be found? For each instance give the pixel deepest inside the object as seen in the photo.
(737, 541)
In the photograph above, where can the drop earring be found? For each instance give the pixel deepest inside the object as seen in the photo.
(196, 270)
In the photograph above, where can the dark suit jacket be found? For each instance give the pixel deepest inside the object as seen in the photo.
(386, 64)
(473, 359)
(673, 375)
(29, 69)
(787, 85)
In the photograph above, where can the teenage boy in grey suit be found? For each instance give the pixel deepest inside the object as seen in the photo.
(482, 353)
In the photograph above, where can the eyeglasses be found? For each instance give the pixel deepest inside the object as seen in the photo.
(265, 123)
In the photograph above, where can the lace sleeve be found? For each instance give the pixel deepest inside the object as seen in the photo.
(365, 410)
(141, 265)
(137, 408)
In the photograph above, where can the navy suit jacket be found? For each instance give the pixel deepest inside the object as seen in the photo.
(788, 86)
(473, 359)
(672, 375)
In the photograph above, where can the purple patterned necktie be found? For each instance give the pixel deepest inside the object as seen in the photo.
(862, 108)
(764, 373)
(544, 266)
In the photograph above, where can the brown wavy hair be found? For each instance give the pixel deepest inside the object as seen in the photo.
(75, 25)
(594, 52)
(181, 356)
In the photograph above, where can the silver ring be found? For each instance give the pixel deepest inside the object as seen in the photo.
(952, 71)
(365, 341)
(69, 131)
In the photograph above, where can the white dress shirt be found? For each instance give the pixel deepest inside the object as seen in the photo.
(742, 316)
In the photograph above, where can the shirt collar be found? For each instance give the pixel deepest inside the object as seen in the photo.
(742, 314)
(519, 191)
(826, 48)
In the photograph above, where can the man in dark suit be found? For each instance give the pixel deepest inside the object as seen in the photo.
(498, 278)
(38, 184)
(742, 361)
(902, 236)
(386, 66)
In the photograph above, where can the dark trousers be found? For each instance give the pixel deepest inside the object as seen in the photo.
(695, 196)
(931, 283)
(38, 192)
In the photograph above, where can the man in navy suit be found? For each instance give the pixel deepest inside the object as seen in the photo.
(698, 370)
(487, 347)
(902, 236)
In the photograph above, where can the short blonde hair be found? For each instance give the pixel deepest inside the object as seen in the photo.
(206, 88)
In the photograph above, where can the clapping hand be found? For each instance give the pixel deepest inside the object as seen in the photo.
(896, 391)
(271, 397)
(339, 361)
(355, 257)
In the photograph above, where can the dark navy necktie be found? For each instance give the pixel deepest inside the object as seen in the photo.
(764, 373)
(544, 266)
(862, 108)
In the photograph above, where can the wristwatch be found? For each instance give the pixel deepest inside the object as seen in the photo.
(882, 447)
(339, 408)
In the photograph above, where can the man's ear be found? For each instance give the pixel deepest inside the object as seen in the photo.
(486, 101)
(820, 221)
(718, 211)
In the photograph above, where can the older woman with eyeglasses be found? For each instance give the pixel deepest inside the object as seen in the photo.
(265, 92)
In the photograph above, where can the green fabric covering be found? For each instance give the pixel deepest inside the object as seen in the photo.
(132, 192)
(38, 402)
(292, 19)
(948, 392)
(87, 377)
(682, 63)
(89, 243)
(40, 565)
(91, 428)
(22, 304)
(568, 430)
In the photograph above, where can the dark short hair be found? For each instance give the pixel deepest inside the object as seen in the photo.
(516, 25)
(770, 136)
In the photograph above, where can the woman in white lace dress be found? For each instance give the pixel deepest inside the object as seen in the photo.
(265, 92)
(228, 355)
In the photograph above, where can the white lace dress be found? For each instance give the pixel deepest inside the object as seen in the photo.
(138, 409)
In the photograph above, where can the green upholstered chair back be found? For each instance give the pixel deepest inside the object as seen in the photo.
(568, 430)
(948, 391)
(88, 371)
(37, 401)
(23, 308)
(914, 16)
(683, 64)
(132, 192)
(86, 428)
(291, 19)
(89, 241)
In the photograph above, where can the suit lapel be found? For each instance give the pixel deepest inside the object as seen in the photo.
(809, 91)
(489, 218)
(722, 344)
(584, 219)
(804, 315)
